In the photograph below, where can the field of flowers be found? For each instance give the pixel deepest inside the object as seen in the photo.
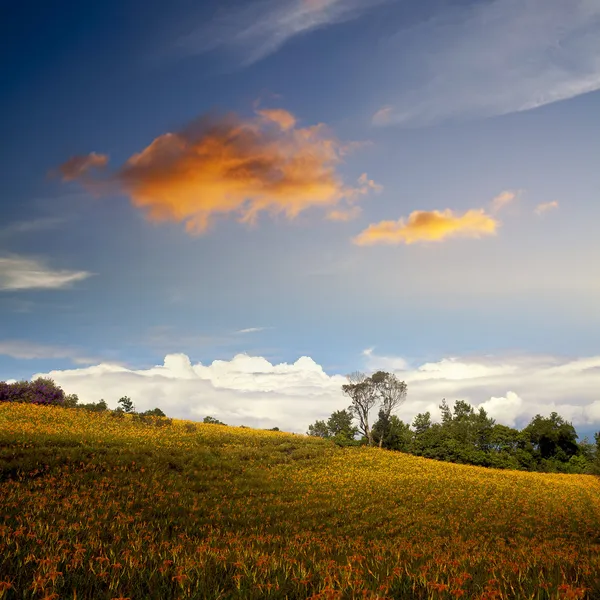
(98, 507)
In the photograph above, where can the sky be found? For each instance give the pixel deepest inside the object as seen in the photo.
(224, 207)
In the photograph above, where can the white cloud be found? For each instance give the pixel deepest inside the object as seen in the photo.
(20, 273)
(494, 58)
(246, 390)
(250, 390)
(251, 330)
(383, 363)
(260, 28)
(505, 409)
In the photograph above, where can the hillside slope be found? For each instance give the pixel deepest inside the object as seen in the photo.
(99, 507)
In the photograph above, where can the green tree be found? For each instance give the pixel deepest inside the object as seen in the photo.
(339, 425)
(155, 412)
(126, 404)
(213, 421)
(392, 433)
(318, 429)
(421, 423)
(552, 437)
(71, 401)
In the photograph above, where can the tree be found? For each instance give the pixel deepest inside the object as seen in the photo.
(318, 429)
(155, 412)
(96, 406)
(126, 404)
(391, 393)
(392, 433)
(552, 437)
(421, 423)
(71, 401)
(363, 395)
(340, 425)
(213, 421)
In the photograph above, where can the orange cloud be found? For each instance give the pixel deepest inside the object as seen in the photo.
(77, 166)
(222, 165)
(281, 117)
(500, 201)
(545, 206)
(423, 226)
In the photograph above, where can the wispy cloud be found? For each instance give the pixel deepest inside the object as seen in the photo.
(20, 273)
(344, 214)
(503, 199)
(260, 28)
(79, 166)
(493, 58)
(540, 209)
(429, 226)
(26, 350)
(32, 225)
(251, 330)
(224, 165)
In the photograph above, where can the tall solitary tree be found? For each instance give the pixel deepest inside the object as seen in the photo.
(362, 393)
(391, 393)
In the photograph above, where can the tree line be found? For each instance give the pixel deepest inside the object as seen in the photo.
(464, 435)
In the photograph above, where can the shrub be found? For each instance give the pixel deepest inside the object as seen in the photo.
(94, 406)
(155, 412)
(41, 391)
(213, 421)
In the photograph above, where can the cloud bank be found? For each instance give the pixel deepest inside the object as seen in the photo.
(20, 273)
(252, 391)
(223, 165)
(258, 29)
(493, 58)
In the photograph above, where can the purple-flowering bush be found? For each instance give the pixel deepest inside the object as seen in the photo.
(14, 392)
(41, 391)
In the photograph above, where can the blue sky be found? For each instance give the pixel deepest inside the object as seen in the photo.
(454, 104)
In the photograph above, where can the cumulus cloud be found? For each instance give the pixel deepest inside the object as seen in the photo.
(245, 390)
(250, 390)
(223, 165)
(540, 209)
(258, 29)
(20, 273)
(492, 58)
(425, 226)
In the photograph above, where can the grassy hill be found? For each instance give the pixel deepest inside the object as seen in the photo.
(93, 506)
